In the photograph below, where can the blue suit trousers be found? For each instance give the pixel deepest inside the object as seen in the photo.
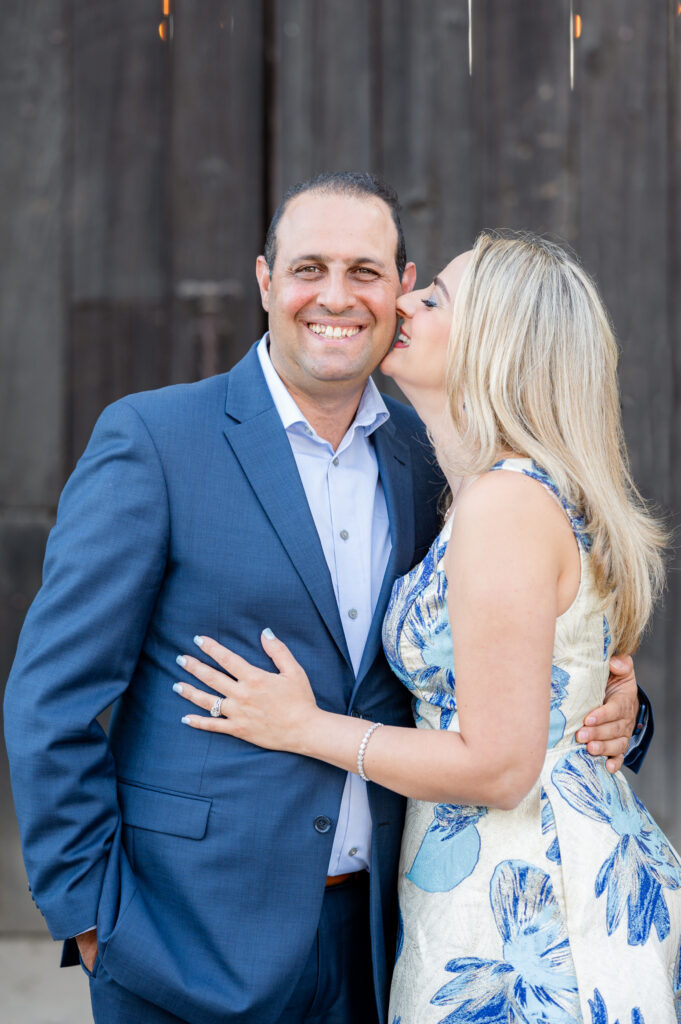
(335, 987)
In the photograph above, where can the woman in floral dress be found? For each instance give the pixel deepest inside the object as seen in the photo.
(535, 887)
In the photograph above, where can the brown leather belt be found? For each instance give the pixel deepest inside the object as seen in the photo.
(337, 879)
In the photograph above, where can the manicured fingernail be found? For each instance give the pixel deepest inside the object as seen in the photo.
(185, 720)
(177, 687)
(581, 735)
(198, 640)
(591, 720)
(181, 660)
(268, 633)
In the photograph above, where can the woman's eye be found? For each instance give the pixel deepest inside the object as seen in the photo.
(430, 303)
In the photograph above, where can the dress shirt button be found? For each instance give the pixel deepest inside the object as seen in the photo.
(308, 431)
(352, 852)
(322, 824)
(335, 460)
(344, 535)
(352, 614)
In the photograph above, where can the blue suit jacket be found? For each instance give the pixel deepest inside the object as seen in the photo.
(201, 858)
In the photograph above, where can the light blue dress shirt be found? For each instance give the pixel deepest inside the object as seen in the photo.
(347, 502)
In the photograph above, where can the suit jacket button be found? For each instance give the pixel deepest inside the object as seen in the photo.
(322, 823)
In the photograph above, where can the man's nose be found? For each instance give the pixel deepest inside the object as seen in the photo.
(336, 293)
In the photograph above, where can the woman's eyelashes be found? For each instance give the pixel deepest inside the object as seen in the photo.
(429, 302)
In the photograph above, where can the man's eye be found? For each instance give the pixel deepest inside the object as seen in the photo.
(365, 272)
(308, 270)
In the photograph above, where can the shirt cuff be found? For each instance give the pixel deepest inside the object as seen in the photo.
(639, 729)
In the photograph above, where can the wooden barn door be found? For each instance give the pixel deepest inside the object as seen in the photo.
(132, 195)
(141, 160)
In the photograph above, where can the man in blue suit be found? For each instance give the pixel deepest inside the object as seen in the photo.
(207, 880)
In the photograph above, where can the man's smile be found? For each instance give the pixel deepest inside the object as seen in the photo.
(334, 330)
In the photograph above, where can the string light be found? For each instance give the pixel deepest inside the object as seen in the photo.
(470, 37)
(572, 48)
(165, 28)
(575, 33)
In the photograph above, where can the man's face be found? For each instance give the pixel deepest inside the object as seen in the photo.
(331, 295)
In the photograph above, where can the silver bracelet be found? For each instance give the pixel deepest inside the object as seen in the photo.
(363, 748)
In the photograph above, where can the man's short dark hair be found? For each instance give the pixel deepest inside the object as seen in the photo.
(349, 183)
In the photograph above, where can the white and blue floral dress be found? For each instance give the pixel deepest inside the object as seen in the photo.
(565, 909)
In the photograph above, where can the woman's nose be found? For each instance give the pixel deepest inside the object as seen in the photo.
(405, 305)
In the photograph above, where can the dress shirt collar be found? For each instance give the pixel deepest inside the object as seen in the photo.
(371, 411)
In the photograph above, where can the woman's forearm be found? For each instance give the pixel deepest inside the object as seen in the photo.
(424, 764)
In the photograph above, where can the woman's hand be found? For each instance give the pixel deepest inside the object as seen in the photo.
(276, 710)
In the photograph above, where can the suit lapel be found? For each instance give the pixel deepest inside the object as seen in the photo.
(395, 468)
(257, 437)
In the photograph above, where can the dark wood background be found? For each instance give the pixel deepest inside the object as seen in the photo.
(137, 177)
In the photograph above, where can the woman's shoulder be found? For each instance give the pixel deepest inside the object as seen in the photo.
(514, 504)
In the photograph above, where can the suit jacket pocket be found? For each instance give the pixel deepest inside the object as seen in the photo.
(163, 810)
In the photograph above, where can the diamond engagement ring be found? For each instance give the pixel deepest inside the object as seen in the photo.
(216, 710)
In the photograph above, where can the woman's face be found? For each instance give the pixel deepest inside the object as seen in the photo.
(417, 361)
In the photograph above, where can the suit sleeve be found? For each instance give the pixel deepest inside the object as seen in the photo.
(643, 734)
(77, 652)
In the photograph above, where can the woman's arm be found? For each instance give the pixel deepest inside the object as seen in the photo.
(507, 564)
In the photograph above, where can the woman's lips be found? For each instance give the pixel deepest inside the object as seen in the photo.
(403, 340)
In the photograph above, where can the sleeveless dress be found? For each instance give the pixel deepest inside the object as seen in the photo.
(566, 908)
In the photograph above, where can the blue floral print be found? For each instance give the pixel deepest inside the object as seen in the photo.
(642, 864)
(584, 848)
(400, 932)
(436, 869)
(599, 1012)
(559, 688)
(423, 625)
(548, 828)
(535, 982)
(607, 638)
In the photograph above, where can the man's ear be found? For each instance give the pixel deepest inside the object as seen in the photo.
(408, 278)
(262, 272)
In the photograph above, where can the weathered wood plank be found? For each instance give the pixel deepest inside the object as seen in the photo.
(428, 141)
(116, 349)
(119, 238)
(522, 113)
(22, 542)
(672, 655)
(622, 181)
(33, 111)
(321, 89)
(120, 102)
(217, 190)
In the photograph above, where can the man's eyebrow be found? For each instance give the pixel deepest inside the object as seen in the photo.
(439, 283)
(319, 258)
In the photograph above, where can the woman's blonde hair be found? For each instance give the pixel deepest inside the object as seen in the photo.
(532, 370)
